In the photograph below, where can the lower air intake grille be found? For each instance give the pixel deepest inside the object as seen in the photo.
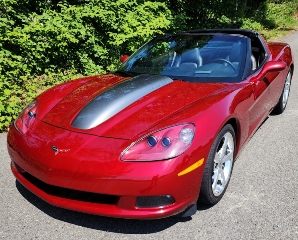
(71, 194)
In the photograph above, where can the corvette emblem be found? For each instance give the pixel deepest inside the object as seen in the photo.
(57, 150)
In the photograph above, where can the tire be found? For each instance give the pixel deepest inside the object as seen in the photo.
(284, 97)
(219, 166)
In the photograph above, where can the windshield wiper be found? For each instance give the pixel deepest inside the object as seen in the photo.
(125, 73)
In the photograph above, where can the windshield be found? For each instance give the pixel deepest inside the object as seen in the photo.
(194, 58)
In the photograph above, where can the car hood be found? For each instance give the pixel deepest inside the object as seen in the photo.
(117, 107)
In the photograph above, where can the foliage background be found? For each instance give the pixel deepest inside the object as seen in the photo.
(46, 42)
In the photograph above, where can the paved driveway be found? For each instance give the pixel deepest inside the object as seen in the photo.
(261, 201)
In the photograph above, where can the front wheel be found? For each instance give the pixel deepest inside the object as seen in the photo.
(219, 166)
(284, 97)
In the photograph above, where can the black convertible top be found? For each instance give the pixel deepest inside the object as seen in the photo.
(248, 33)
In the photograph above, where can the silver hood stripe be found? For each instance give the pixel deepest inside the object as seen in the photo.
(115, 99)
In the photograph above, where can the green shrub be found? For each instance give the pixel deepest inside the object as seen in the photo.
(45, 42)
(14, 97)
(248, 23)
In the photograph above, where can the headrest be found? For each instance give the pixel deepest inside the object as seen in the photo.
(192, 56)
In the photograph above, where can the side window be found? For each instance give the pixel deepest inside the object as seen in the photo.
(258, 54)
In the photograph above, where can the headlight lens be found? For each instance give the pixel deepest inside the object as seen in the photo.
(160, 145)
(26, 118)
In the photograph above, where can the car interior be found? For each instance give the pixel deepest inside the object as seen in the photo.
(212, 61)
(228, 56)
(219, 57)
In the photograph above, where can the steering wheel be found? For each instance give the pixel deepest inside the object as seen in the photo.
(225, 61)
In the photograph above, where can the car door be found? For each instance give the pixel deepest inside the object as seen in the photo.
(261, 106)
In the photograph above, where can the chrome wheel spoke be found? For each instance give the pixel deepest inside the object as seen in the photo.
(225, 144)
(215, 179)
(223, 178)
(223, 149)
(227, 157)
(217, 158)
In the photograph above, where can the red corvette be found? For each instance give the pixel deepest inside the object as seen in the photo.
(156, 136)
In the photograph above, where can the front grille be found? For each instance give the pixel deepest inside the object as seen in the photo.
(70, 193)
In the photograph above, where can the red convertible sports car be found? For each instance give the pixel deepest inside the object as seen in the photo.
(160, 134)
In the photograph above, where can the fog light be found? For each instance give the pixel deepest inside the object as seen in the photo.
(154, 201)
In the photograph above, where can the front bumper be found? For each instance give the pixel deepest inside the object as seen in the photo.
(87, 184)
(123, 207)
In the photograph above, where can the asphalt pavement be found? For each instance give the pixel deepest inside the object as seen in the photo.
(260, 203)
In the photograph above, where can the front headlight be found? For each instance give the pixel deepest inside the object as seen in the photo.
(160, 145)
(27, 117)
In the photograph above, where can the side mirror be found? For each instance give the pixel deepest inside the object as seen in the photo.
(124, 58)
(273, 66)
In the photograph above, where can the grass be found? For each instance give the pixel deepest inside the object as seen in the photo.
(286, 25)
(281, 19)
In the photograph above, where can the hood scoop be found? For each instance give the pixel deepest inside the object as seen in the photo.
(117, 98)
